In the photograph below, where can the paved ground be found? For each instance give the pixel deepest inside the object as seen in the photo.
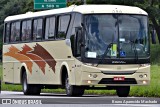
(85, 101)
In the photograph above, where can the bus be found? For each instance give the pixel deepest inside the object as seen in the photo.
(78, 48)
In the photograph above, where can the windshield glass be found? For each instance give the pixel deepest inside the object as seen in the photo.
(116, 36)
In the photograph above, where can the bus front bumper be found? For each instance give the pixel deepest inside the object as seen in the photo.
(139, 77)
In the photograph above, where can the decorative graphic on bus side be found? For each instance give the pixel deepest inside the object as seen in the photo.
(26, 50)
(45, 55)
(38, 54)
(13, 52)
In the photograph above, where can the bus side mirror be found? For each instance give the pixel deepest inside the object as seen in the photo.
(78, 28)
(78, 41)
(153, 33)
(79, 35)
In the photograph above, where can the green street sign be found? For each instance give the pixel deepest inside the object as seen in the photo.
(49, 4)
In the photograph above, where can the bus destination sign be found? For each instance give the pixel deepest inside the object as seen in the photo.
(49, 4)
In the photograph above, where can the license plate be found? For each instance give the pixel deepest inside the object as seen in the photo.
(118, 78)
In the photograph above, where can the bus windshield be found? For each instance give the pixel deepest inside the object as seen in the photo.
(116, 36)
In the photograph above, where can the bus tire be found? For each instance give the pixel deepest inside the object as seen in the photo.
(73, 90)
(123, 91)
(29, 89)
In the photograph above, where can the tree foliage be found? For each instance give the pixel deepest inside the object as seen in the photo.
(74, 2)
(13, 7)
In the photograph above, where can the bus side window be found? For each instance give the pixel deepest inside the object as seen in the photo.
(15, 32)
(63, 24)
(37, 29)
(7, 33)
(23, 32)
(50, 28)
(26, 30)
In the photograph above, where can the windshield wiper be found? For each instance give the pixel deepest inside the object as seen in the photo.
(135, 51)
(106, 51)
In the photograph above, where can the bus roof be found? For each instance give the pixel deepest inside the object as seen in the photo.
(84, 9)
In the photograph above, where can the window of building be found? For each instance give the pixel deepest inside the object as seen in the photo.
(7, 33)
(26, 30)
(15, 32)
(37, 29)
(50, 28)
(63, 25)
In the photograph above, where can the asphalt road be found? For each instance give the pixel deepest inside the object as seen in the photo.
(86, 100)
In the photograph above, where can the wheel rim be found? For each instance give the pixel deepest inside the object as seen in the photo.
(68, 87)
(25, 84)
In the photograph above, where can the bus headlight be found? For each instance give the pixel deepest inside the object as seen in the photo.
(92, 75)
(144, 65)
(144, 82)
(140, 76)
(95, 76)
(145, 75)
(89, 82)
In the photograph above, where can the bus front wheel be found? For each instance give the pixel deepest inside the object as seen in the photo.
(73, 90)
(29, 89)
(123, 91)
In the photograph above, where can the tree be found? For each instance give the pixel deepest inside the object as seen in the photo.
(13, 7)
(75, 2)
(153, 8)
(2, 3)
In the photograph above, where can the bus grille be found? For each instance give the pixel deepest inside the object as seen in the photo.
(118, 72)
(111, 81)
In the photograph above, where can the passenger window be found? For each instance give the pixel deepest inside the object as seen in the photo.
(26, 30)
(63, 25)
(37, 29)
(50, 28)
(7, 33)
(15, 32)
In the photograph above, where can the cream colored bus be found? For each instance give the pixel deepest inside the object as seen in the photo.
(77, 48)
